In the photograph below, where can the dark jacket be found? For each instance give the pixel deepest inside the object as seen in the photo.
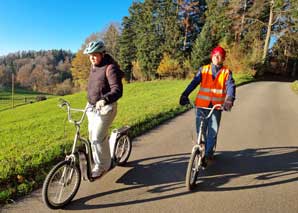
(105, 82)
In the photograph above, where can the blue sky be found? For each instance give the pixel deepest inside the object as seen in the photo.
(55, 24)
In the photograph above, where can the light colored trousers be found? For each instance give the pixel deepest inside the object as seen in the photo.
(98, 127)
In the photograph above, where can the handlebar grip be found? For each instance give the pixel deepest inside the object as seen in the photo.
(63, 103)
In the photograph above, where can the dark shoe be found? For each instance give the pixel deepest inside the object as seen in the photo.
(204, 162)
(211, 157)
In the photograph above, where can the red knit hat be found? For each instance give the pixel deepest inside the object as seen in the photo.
(219, 50)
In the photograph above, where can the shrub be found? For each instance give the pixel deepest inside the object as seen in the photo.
(41, 98)
(294, 86)
(138, 74)
(64, 88)
(169, 67)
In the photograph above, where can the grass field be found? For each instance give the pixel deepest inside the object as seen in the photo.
(294, 86)
(21, 97)
(33, 137)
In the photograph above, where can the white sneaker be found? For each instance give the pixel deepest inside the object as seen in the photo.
(97, 171)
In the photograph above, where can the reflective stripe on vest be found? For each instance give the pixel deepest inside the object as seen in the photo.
(213, 91)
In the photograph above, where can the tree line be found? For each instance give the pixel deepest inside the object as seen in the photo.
(42, 71)
(171, 39)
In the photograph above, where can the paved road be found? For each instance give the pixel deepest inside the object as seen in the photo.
(256, 168)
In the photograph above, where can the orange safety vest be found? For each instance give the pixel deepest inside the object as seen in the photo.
(213, 91)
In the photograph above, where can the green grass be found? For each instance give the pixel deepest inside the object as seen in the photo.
(21, 97)
(294, 86)
(33, 137)
(241, 79)
(18, 91)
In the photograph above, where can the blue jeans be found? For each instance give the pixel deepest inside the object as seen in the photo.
(210, 128)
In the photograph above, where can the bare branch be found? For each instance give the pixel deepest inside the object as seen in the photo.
(276, 20)
(256, 20)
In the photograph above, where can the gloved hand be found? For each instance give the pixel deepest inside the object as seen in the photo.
(100, 104)
(183, 100)
(227, 106)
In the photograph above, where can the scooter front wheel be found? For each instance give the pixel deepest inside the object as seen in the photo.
(61, 184)
(193, 169)
(122, 150)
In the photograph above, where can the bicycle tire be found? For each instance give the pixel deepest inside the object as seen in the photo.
(192, 169)
(61, 170)
(122, 151)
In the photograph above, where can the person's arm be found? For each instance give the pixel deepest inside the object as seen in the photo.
(231, 87)
(231, 93)
(114, 76)
(193, 84)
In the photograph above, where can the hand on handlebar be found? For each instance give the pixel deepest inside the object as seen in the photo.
(100, 104)
(227, 106)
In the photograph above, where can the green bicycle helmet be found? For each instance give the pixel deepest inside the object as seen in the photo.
(95, 47)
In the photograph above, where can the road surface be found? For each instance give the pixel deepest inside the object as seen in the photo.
(256, 167)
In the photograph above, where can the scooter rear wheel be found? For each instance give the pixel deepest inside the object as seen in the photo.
(122, 150)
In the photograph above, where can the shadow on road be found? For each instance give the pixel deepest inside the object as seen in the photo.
(276, 77)
(164, 176)
(262, 167)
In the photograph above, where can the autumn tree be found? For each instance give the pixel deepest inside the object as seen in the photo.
(38, 78)
(50, 67)
(64, 88)
(4, 76)
(169, 67)
(111, 39)
(80, 70)
(191, 17)
(24, 74)
(137, 72)
(238, 12)
(80, 65)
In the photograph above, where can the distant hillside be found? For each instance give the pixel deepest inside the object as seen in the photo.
(40, 71)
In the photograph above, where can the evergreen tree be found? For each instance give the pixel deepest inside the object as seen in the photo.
(200, 54)
(148, 39)
(127, 41)
(170, 32)
(127, 48)
(215, 29)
